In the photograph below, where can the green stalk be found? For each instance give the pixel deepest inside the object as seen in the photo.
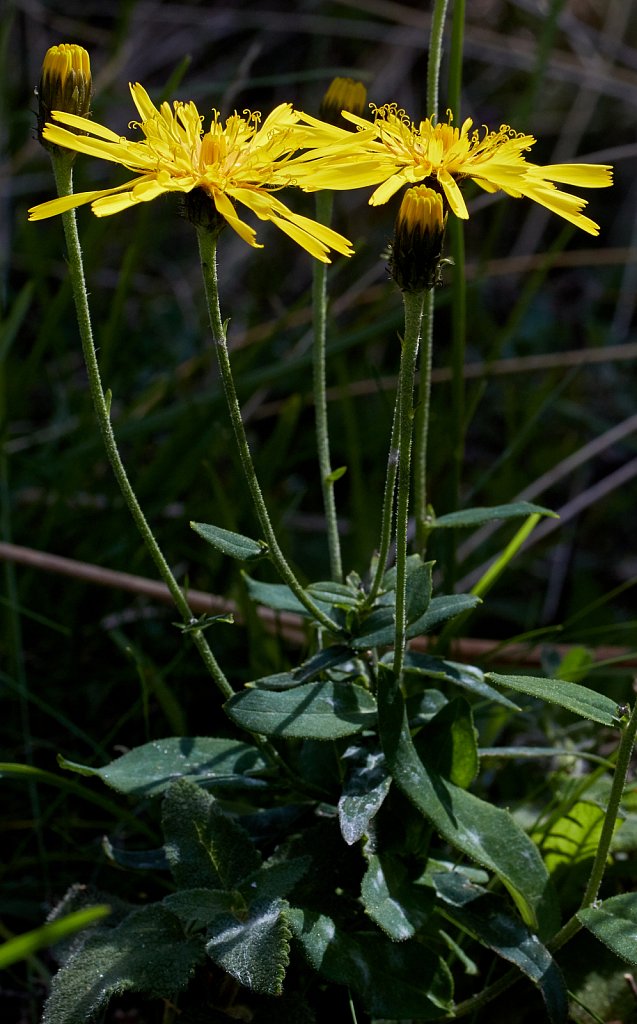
(414, 302)
(387, 516)
(458, 303)
(63, 171)
(208, 253)
(424, 399)
(319, 313)
(435, 56)
(422, 423)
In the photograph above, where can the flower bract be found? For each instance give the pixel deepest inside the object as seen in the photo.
(240, 160)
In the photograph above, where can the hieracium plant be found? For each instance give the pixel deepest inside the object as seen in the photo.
(333, 855)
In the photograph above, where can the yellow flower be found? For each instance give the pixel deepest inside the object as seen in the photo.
(416, 250)
(239, 161)
(342, 94)
(391, 151)
(65, 83)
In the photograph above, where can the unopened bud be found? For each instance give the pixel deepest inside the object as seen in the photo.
(343, 94)
(416, 250)
(65, 83)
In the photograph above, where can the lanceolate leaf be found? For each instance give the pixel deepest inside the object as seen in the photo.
(484, 916)
(149, 769)
(365, 789)
(477, 516)
(485, 833)
(614, 922)
(579, 699)
(320, 711)
(233, 544)
(397, 905)
(468, 677)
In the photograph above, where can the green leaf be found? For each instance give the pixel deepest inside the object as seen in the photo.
(485, 917)
(478, 516)
(469, 677)
(418, 590)
(485, 833)
(203, 845)
(137, 860)
(338, 595)
(23, 946)
(448, 743)
(275, 878)
(579, 699)
(329, 657)
(394, 980)
(233, 544)
(321, 711)
(447, 606)
(366, 786)
(148, 953)
(255, 950)
(197, 908)
(573, 838)
(396, 904)
(149, 769)
(614, 922)
(277, 596)
(335, 475)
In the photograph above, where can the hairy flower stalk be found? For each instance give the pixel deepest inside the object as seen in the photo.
(342, 94)
(240, 161)
(415, 258)
(392, 151)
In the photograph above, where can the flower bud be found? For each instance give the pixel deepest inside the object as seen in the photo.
(343, 94)
(416, 250)
(65, 83)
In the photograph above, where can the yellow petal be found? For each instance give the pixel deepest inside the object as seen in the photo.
(453, 194)
(584, 175)
(84, 125)
(64, 203)
(227, 211)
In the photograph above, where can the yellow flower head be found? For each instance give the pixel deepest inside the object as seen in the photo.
(241, 160)
(416, 250)
(391, 151)
(65, 83)
(342, 94)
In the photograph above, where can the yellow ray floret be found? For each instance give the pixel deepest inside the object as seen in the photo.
(241, 160)
(392, 152)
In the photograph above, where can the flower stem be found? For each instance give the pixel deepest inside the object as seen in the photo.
(422, 424)
(414, 302)
(324, 216)
(388, 509)
(62, 169)
(208, 253)
(435, 56)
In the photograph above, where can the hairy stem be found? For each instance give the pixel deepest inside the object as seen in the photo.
(208, 253)
(413, 302)
(62, 169)
(319, 312)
